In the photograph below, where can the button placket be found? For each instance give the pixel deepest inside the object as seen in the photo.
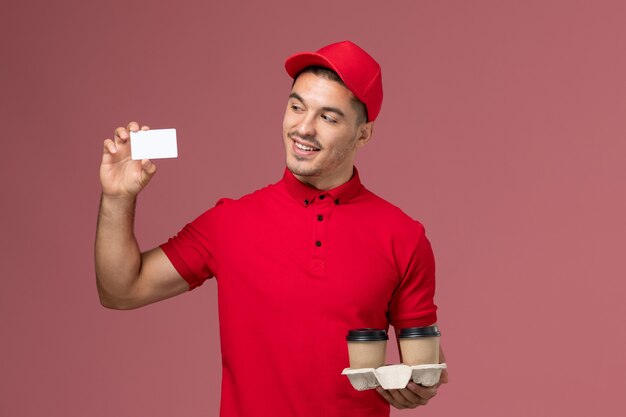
(320, 216)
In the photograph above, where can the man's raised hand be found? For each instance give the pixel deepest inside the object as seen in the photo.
(121, 176)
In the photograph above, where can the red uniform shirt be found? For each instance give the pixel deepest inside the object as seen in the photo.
(296, 269)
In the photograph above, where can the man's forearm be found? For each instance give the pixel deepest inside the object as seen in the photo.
(117, 255)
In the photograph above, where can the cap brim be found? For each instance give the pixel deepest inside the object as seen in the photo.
(296, 63)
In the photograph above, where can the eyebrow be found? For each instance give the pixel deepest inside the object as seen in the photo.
(325, 108)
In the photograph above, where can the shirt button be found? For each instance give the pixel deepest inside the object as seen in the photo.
(306, 202)
(318, 243)
(320, 217)
(337, 202)
(323, 196)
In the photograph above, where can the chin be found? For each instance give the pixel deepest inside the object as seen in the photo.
(297, 168)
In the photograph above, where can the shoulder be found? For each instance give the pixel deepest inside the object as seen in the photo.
(403, 237)
(229, 213)
(255, 198)
(227, 207)
(388, 214)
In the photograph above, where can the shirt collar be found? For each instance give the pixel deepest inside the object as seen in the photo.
(306, 194)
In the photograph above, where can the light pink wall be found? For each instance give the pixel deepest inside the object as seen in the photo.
(502, 130)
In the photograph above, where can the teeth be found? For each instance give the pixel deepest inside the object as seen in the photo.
(304, 148)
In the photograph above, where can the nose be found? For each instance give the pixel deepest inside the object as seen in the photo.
(306, 126)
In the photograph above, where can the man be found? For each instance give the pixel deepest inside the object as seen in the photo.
(298, 263)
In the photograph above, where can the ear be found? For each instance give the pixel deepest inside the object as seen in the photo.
(366, 130)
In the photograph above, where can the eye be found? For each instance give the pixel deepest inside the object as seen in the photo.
(296, 107)
(329, 119)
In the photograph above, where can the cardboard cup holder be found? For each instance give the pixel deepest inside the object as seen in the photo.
(394, 376)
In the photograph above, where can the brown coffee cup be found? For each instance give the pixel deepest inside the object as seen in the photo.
(419, 345)
(367, 348)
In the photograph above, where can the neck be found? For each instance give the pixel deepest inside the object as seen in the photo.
(325, 183)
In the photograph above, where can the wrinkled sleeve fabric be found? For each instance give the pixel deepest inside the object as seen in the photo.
(193, 250)
(412, 303)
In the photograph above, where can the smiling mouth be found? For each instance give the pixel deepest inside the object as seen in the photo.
(304, 147)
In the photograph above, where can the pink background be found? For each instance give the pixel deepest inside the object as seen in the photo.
(503, 131)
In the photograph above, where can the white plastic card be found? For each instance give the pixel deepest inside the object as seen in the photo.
(153, 144)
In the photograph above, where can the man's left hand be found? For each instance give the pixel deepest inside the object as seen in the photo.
(413, 395)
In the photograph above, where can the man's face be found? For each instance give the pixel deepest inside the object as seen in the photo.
(321, 131)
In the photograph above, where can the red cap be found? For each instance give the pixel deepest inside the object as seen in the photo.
(358, 70)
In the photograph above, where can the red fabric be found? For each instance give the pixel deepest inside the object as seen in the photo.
(287, 302)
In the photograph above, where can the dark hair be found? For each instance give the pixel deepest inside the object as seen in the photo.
(329, 74)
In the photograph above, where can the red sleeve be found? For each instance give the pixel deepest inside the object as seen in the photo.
(192, 251)
(412, 304)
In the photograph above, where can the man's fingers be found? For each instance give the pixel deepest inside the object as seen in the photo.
(147, 171)
(148, 167)
(387, 396)
(425, 393)
(410, 399)
(401, 399)
(121, 135)
(133, 127)
(109, 146)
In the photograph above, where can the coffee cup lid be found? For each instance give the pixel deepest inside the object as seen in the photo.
(366, 335)
(411, 332)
